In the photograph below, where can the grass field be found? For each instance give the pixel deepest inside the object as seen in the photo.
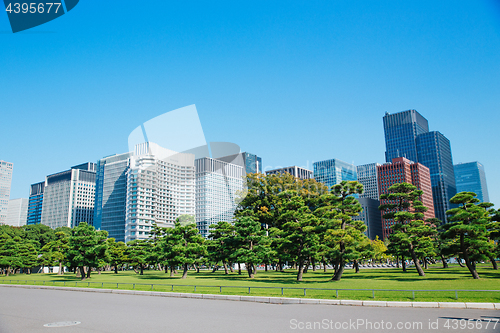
(453, 278)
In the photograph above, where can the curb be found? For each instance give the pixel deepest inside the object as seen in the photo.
(275, 300)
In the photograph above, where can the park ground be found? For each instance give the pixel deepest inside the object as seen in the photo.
(270, 283)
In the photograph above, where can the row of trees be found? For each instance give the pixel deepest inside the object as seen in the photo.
(280, 220)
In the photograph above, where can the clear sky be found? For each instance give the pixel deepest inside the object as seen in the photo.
(292, 81)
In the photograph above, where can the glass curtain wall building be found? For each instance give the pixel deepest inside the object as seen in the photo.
(35, 203)
(434, 151)
(111, 195)
(332, 172)
(367, 176)
(219, 186)
(5, 183)
(250, 162)
(17, 212)
(470, 177)
(69, 197)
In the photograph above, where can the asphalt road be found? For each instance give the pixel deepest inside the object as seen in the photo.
(27, 310)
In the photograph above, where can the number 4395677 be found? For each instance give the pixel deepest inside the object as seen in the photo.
(33, 8)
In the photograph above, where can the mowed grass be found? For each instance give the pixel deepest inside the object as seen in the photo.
(270, 283)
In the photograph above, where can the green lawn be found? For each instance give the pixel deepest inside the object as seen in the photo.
(453, 278)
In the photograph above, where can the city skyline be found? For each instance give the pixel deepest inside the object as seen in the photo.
(251, 74)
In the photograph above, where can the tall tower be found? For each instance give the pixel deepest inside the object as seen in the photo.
(5, 183)
(35, 203)
(470, 177)
(332, 172)
(407, 135)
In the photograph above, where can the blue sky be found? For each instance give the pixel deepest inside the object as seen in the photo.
(292, 81)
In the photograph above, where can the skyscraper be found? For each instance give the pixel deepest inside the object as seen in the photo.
(69, 196)
(401, 130)
(35, 203)
(250, 162)
(407, 135)
(371, 216)
(111, 195)
(402, 170)
(160, 188)
(367, 176)
(470, 177)
(5, 183)
(295, 171)
(219, 185)
(434, 151)
(332, 172)
(17, 212)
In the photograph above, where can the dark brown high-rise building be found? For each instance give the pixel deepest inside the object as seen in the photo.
(402, 170)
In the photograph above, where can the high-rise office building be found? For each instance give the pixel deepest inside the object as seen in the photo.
(332, 172)
(470, 177)
(69, 196)
(402, 170)
(111, 195)
(35, 203)
(5, 183)
(219, 186)
(250, 162)
(434, 151)
(160, 188)
(371, 216)
(295, 171)
(367, 176)
(407, 135)
(17, 213)
(401, 130)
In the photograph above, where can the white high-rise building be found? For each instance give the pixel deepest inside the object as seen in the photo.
(5, 182)
(219, 185)
(160, 188)
(17, 213)
(69, 197)
(367, 176)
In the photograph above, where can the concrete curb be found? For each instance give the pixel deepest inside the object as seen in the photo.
(275, 300)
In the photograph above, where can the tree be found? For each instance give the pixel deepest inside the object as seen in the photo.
(249, 242)
(138, 253)
(54, 252)
(467, 228)
(39, 234)
(220, 246)
(299, 231)
(86, 247)
(117, 253)
(409, 230)
(186, 219)
(9, 249)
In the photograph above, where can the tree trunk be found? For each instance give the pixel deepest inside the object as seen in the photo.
(416, 262)
(470, 265)
(403, 263)
(301, 271)
(424, 260)
(356, 266)
(185, 273)
(225, 267)
(324, 266)
(313, 263)
(493, 262)
(89, 269)
(443, 259)
(251, 274)
(215, 268)
(306, 266)
(459, 260)
(82, 273)
(142, 269)
(254, 269)
(339, 272)
(231, 267)
(239, 269)
(397, 262)
(266, 268)
(8, 271)
(171, 271)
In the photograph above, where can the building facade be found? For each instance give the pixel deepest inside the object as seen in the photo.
(219, 187)
(17, 213)
(295, 171)
(401, 130)
(111, 195)
(470, 177)
(35, 203)
(6, 169)
(69, 197)
(367, 176)
(434, 151)
(402, 170)
(371, 216)
(160, 188)
(332, 172)
(250, 162)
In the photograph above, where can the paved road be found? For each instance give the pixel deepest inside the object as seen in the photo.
(27, 310)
